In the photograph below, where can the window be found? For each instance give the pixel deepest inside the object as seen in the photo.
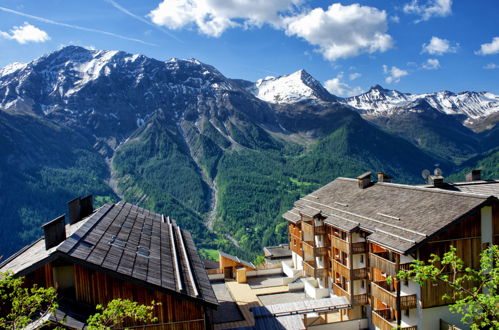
(406, 312)
(361, 258)
(362, 284)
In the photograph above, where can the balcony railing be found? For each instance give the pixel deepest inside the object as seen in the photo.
(320, 230)
(339, 291)
(311, 269)
(360, 299)
(359, 247)
(359, 274)
(384, 320)
(385, 265)
(381, 290)
(340, 244)
(340, 268)
(313, 251)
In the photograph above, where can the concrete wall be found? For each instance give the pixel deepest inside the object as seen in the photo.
(262, 272)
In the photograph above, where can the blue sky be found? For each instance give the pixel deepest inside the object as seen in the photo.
(412, 46)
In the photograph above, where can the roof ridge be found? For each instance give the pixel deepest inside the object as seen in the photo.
(436, 190)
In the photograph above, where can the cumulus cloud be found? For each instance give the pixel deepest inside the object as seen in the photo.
(26, 33)
(337, 87)
(431, 64)
(353, 76)
(338, 32)
(342, 31)
(393, 74)
(213, 17)
(432, 8)
(490, 48)
(491, 66)
(439, 46)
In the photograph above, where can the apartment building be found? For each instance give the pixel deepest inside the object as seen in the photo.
(349, 236)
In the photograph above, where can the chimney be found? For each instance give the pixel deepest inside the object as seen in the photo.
(86, 206)
(364, 180)
(79, 208)
(55, 232)
(383, 177)
(473, 175)
(436, 180)
(74, 210)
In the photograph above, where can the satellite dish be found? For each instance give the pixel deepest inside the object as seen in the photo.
(438, 172)
(425, 174)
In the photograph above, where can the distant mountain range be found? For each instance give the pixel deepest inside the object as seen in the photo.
(224, 156)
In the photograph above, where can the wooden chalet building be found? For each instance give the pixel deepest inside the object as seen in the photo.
(118, 251)
(350, 235)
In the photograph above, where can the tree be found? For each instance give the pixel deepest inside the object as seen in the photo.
(20, 305)
(475, 292)
(119, 310)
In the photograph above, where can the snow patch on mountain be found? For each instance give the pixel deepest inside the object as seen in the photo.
(292, 88)
(383, 102)
(11, 68)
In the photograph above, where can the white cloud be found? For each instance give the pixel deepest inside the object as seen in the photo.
(439, 46)
(491, 66)
(393, 74)
(342, 31)
(432, 8)
(490, 48)
(213, 17)
(26, 33)
(337, 87)
(395, 19)
(353, 76)
(431, 64)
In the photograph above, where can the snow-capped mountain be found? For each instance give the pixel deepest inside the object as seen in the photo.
(378, 101)
(292, 88)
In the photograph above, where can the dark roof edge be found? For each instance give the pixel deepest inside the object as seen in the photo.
(461, 218)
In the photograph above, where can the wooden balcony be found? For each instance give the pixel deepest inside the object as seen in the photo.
(359, 274)
(340, 244)
(339, 268)
(310, 269)
(339, 291)
(320, 230)
(310, 249)
(360, 299)
(386, 266)
(359, 247)
(383, 319)
(387, 294)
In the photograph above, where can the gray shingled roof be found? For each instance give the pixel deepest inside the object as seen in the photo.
(399, 216)
(482, 187)
(133, 243)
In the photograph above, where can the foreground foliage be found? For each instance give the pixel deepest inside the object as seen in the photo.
(478, 303)
(118, 311)
(19, 305)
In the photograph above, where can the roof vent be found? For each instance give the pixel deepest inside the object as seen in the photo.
(436, 180)
(364, 180)
(473, 175)
(79, 208)
(383, 177)
(55, 232)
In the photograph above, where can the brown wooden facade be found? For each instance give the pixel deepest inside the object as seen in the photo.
(91, 287)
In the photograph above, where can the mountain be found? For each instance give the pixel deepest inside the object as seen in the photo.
(180, 138)
(472, 108)
(293, 88)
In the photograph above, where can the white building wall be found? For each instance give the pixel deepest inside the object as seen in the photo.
(431, 318)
